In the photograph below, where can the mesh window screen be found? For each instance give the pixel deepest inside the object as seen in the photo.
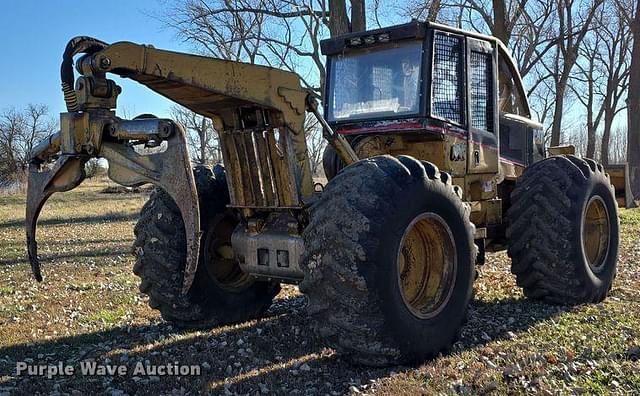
(348, 70)
(448, 79)
(382, 82)
(376, 82)
(481, 95)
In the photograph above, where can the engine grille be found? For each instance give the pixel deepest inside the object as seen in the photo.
(261, 170)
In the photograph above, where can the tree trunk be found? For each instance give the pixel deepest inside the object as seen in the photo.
(434, 10)
(358, 16)
(606, 136)
(569, 49)
(500, 29)
(203, 141)
(338, 19)
(591, 140)
(556, 128)
(633, 110)
(591, 128)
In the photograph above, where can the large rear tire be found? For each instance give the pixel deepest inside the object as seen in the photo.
(563, 231)
(331, 162)
(389, 261)
(221, 292)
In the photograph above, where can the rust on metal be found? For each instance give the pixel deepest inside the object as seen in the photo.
(264, 171)
(65, 174)
(171, 171)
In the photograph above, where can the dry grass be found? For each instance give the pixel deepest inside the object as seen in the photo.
(89, 307)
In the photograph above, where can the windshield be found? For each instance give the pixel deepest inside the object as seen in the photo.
(376, 82)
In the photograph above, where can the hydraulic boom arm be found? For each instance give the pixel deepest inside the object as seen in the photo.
(214, 88)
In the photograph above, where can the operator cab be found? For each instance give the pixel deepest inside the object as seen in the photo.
(433, 81)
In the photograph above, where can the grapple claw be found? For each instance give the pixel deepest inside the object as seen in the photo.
(171, 171)
(91, 129)
(65, 174)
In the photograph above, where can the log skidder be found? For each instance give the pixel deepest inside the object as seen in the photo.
(386, 252)
(389, 261)
(563, 231)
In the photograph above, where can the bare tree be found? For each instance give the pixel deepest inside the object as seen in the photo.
(614, 59)
(630, 10)
(201, 137)
(574, 22)
(533, 38)
(315, 143)
(603, 69)
(588, 77)
(578, 138)
(618, 145)
(541, 101)
(20, 131)
(11, 127)
(92, 167)
(424, 10)
(280, 33)
(501, 17)
(38, 125)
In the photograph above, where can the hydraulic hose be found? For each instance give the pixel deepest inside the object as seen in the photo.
(76, 45)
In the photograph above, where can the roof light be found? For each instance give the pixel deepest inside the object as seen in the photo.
(369, 40)
(383, 38)
(355, 41)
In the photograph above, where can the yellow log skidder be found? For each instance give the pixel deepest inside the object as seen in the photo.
(433, 160)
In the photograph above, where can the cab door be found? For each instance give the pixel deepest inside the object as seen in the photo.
(482, 102)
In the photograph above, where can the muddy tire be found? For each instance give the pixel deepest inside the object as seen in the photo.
(331, 162)
(364, 279)
(563, 231)
(221, 293)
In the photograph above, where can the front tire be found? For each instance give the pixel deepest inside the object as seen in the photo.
(389, 261)
(221, 293)
(563, 231)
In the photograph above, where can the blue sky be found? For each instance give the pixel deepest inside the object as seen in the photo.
(34, 34)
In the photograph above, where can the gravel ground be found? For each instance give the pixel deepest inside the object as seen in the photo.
(89, 310)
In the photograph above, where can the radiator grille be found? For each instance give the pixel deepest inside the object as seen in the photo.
(260, 168)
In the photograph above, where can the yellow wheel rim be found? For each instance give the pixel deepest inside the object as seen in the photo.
(596, 232)
(426, 264)
(219, 259)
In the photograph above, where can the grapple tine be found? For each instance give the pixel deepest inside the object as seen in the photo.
(171, 171)
(66, 174)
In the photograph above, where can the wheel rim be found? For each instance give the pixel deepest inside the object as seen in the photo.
(426, 264)
(596, 232)
(219, 258)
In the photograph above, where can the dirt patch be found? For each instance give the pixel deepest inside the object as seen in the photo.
(89, 309)
(118, 189)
